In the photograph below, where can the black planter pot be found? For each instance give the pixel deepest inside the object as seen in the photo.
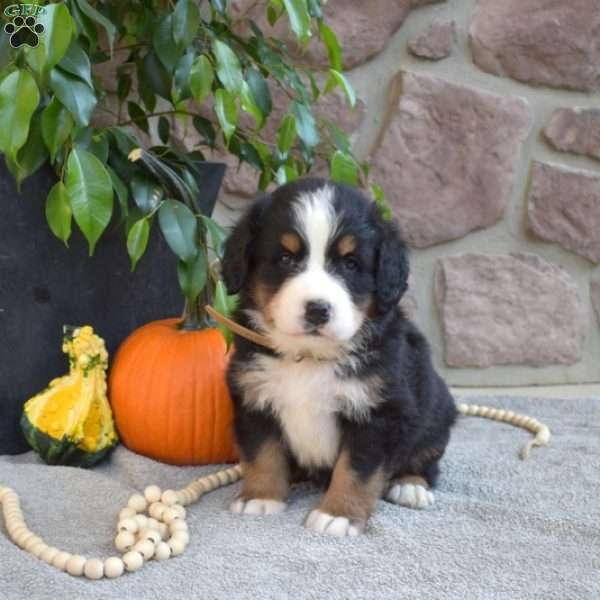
(44, 285)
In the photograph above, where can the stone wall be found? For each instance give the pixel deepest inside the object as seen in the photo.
(482, 119)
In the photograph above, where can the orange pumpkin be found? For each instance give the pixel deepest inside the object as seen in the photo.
(169, 396)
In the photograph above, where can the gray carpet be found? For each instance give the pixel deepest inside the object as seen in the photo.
(500, 528)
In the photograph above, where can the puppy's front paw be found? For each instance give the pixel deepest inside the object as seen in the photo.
(257, 506)
(338, 526)
(410, 495)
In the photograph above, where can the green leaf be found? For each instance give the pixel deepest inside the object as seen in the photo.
(335, 79)
(138, 116)
(157, 76)
(343, 168)
(314, 9)
(340, 138)
(305, 124)
(201, 79)
(180, 228)
(217, 235)
(299, 18)
(77, 62)
(164, 44)
(57, 125)
(53, 43)
(285, 174)
(100, 19)
(123, 86)
(224, 305)
(228, 67)
(58, 212)
(249, 105)
(227, 112)
(219, 5)
(74, 94)
(332, 44)
(137, 241)
(89, 187)
(121, 190)
(32, 155)
(381, 202)
(260, 91)
(164, 130)
(96, 143)
(186, 20)
(147, 193)
(205, 128)
(19, 97)
(181, 80)
(286, 134)
(85, 26)
(192, 276)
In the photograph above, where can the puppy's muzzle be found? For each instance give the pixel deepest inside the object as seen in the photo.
(317, 313)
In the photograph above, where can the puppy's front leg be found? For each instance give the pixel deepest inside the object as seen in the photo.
(349, 500)
(266, 484)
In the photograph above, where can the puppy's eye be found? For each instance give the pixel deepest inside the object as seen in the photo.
(286, 258)
(351, 263)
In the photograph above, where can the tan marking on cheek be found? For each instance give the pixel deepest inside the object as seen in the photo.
(267, 476)
(346, 245)
(348, 496)
(263, 297)
(291, 242)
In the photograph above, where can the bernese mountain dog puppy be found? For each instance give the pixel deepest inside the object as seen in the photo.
(349, 396)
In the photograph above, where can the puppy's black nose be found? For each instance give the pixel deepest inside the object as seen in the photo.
(317, 312)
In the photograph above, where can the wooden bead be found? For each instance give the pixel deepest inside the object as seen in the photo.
(142, 521)
(61, 559)
(31, 542)
(127, 513)
(75, 565)
(16, 529)
(152, 524)
(113, 567)
(182, 536)
(162, 552)
(169, 497)
(24, 537)
(38, 549)
(177, 547)
(178, 525)
(164, 531)
(152, 493)
(145, 548)
(124, 541)
(129, 524)
(157, 509)
(152, 535)
(94, 568)
(170, 515)
(133, 561)
(49, 554)
(179, 510)
(137, 502)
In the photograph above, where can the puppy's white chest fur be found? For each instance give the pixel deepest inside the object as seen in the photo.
(307, 397)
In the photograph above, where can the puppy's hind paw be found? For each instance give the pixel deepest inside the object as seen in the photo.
(257, 506)
(410, 495)
(337, 526)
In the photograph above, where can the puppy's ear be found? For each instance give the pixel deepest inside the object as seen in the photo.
(391, 276)
(238, 247)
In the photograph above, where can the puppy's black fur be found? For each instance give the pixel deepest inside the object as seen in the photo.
(406, 433)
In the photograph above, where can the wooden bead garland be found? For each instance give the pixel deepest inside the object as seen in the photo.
(161, 535)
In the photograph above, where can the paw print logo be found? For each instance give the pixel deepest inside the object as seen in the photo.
(24, 31)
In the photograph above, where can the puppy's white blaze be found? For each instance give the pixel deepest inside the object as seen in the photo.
(318, 223)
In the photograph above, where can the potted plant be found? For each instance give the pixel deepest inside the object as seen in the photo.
(174, 67)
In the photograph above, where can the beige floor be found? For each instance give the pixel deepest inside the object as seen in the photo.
(543, 391)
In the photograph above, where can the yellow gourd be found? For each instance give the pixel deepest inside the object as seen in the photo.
(70, 422)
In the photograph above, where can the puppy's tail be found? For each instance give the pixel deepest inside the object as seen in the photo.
(541, 431)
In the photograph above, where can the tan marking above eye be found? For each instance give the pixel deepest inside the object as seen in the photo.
(291, 242)
(346, 245)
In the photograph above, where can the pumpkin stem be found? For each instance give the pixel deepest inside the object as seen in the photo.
(194, 316)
